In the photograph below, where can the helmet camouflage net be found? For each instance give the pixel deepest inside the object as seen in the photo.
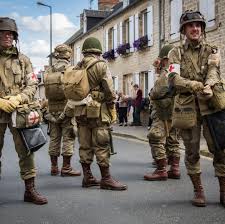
(190, 16)
(63, 51)
(8, 24)
(92, 45)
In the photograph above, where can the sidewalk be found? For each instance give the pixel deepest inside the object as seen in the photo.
(140, 133)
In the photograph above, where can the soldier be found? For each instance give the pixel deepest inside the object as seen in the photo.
(61, 127)
(162, 137)
(94, 133)
(194, 71)
(18, 85)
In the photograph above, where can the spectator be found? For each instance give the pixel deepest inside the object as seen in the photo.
(137, 106)
(122, 101)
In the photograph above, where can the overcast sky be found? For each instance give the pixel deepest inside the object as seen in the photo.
(33, 24)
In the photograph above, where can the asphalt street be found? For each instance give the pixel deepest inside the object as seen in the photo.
(166, 202)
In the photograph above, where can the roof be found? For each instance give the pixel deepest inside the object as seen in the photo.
(117, 9)
(96, 13)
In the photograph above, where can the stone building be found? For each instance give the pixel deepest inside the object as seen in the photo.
(133, 31)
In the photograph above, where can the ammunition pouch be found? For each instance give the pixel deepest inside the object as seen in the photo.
(218, 98)
(56, 106)
(97, 95)
(184, 114)
(27, 115)
(93, 109)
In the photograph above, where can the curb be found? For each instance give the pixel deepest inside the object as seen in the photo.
(203, 152)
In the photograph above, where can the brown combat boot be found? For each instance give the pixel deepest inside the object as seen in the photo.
(222, 190)
(108, 183)
(89, 180)
(31, 195)
(67, 170)
(160, 173)
(174, 172)
(54, 165)
(199, 197)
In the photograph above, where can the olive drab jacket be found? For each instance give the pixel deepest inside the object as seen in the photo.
(199, 63)
(100, 80)
(16, 77)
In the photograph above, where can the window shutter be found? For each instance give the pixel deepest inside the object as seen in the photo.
(150, 25)
(116, 83)
(151, 76)
(136, 34)
(207, 8)
(131, 33)
(106, 40)
(78, 54)
(115, 42)
(136, 78)
(121, 32)
(175, 13)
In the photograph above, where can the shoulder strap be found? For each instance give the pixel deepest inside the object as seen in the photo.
(2, 74)
(93, 63)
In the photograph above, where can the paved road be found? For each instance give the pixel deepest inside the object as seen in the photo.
(144, 202)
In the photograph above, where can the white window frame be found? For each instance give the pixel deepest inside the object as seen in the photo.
(115, 83)
(136, 78)
(78, 54)
(106, 40)
(121, 32)
(175, 13)
(207, 8)
(136, 26)
(131, 33)
(151, 79)
(115, 38)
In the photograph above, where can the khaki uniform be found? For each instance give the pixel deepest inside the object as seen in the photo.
(17, 70)
(62, 129)
(208, 73)
(163, 139)
(93, 133)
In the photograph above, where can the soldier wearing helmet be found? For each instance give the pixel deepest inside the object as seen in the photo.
(194, 72)
(162, 137)
(61, 122)
(94, 119)
(18, 85)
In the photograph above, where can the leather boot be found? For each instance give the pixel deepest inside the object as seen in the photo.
(89, 180)
(67, 170)
(31, 195)
(108, 183)
(199, 197)
(222, 190)
(54, 165)
(160, 173)
(174, 172)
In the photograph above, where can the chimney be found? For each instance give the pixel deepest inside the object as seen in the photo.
(107, 5)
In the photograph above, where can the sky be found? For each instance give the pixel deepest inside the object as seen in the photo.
(33, 24)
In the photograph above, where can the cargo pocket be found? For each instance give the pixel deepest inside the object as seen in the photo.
(102, 137)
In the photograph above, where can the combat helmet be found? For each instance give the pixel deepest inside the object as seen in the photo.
(62, 51)
(190, 16)
(92, 45)
(165, 51)
(8, 24)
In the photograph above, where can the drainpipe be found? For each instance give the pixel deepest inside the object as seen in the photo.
(160, 24)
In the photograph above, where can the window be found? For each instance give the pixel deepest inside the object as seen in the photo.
(115, 38)
(131, 33)
(146, 82)
(77, 54)
(207, 8)
(111, 38)
(175, 13)
(125, 32)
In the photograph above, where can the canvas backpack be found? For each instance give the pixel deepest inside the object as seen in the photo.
(54, 86)
(75, 81)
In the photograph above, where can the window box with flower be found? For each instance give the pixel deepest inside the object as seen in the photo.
(109, 55)
(123, 49)
(141, 43)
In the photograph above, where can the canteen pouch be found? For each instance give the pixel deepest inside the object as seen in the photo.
(184, 114)
(218, 98)
(27, 115)
(93, 109)
(33, 138)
